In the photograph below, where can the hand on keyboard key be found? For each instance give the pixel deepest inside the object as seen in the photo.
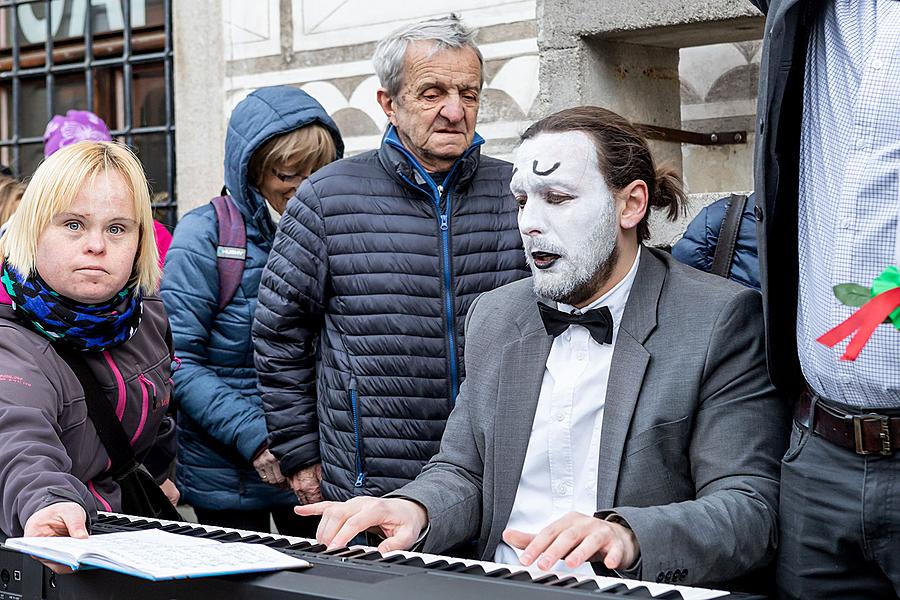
(577, 538)
(400, 521)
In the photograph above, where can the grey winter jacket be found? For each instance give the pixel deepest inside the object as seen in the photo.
(49, 449)
(359, 326)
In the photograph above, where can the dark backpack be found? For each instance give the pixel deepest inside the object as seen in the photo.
(231, 253)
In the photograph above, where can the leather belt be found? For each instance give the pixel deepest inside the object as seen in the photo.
(866, 433)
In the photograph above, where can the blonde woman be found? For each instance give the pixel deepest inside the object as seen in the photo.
(79, 274)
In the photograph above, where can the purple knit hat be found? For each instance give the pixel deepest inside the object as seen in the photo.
(76, 126)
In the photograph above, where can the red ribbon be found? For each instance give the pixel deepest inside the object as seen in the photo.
(862, 323)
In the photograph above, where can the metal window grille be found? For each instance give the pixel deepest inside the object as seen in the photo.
(111, 62)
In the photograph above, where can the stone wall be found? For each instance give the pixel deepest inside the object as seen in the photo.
(688, 64)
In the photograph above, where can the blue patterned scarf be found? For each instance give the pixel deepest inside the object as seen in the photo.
(92, 327)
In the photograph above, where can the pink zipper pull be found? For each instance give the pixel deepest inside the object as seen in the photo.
(143, 379)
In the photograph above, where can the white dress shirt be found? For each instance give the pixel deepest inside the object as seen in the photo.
(849, 194)
(561, 463)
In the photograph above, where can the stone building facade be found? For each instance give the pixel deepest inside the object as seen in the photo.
(690, 64)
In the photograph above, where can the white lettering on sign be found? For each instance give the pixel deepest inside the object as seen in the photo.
(34, 28)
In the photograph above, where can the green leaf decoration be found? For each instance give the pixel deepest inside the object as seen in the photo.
(851, 294)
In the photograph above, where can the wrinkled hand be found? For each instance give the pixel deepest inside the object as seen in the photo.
(577, 538)
(58, 520)
(400, 521)
(168, 488)
(268, 469)
(305, 484)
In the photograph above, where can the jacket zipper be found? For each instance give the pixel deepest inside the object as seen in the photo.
(448, 292)
(145, 401)
(444, 225)
(360, 475)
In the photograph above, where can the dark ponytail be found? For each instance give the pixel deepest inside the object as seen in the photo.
(669, 193)
(623, 156)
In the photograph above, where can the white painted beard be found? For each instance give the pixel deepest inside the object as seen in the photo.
(568, 278)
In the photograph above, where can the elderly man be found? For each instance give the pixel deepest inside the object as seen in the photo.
(377, 259)
(617, 409)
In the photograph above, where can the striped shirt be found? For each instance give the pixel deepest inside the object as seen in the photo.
(849, 194)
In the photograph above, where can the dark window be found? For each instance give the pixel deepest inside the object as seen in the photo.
(113, 57)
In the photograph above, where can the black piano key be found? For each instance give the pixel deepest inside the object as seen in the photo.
(440, 565)
(179, 529)
(587, 584)
(455, 568)
(197, 532)
(373, 555)
(498, 573)
(277, 542)
(474, 570)
(335, 551)
(348, 552)
(614, 588)
(518, 576)
(564, 582)
(317, 548)
(144, 524)
(299, 546)
(639, 592)
(546, 579)
(219, 534)
(413, 561)
(393, 559)
(670, 595)
(252, 539)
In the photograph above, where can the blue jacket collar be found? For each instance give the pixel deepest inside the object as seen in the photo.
(403, 162)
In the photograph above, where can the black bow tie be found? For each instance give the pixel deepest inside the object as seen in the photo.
(598, 321)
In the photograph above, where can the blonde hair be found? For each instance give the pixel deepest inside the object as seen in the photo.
(53, 188)
(11, 190)
(309, 147)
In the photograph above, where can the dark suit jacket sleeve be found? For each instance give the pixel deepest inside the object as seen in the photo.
(289, 317)
(449, 487)
(737, 441)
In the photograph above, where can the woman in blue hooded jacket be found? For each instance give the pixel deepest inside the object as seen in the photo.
(276, 137)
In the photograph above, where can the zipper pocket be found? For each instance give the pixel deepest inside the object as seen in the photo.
(354, 406)
(147, 383)
(146, 386)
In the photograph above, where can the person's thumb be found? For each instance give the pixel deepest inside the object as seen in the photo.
(74, 518)
(402, 539)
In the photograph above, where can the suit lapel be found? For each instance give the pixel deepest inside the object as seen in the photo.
(626, 372)
(522, 365)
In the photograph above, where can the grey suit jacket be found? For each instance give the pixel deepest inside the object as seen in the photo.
(692, 436)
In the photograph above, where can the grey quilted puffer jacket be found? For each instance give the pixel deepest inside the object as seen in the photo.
(358, 331)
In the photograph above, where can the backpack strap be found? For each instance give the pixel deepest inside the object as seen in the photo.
(728, 235)
(100, 411)
(231, 253)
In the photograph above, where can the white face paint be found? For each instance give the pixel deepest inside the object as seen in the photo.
(567, 215)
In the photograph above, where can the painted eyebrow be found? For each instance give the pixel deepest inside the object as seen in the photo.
(534, 169)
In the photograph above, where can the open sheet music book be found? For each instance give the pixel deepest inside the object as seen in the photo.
(154, 554)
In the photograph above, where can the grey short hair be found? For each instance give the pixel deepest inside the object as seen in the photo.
(445, 32)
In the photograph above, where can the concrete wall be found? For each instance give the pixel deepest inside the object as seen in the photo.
(625, 56)
(199, 74)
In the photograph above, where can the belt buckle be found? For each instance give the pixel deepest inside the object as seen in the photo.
(884, 435)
